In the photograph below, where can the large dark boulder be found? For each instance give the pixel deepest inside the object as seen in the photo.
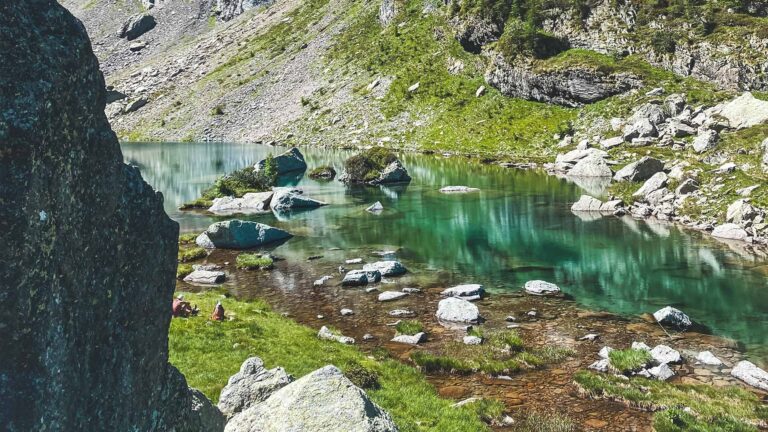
(137, 25)
(88, 256)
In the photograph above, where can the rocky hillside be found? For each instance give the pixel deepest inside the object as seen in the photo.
(89, 252)
(521, 80)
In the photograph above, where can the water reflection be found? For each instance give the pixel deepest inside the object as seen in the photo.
(518, 227)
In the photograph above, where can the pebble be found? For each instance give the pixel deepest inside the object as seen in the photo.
(347, 312)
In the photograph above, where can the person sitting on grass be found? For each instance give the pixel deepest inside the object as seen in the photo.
(182, 308)
(218, 312)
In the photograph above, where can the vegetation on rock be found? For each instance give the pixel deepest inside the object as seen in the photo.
(629, 360)
(251, 261)
(191, 253)
(237, 184)
(367, 166)
(409, 327)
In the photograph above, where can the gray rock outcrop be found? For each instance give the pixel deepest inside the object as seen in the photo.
(286, 163)
(324, 400)
(640, 170)
(78, 226)
(253, 384)
(229, 9)
(239, 234)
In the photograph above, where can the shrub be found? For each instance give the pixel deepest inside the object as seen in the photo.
(663, 42)
(362, 377)
(366, 166)
(254, 261)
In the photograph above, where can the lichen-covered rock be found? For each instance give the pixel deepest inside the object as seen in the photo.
(740, 211)
(239, 234)
(251, 385)
(74, 357)
(324, 400)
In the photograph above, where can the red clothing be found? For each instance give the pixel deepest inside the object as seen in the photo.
(218, 313)
(178, 307)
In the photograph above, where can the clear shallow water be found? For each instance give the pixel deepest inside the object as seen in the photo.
(519, 227)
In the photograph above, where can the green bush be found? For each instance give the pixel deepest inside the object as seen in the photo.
(663, 42)
(254, 261)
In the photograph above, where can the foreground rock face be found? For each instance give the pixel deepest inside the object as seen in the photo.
(238, 234)
(324, 400)
(251, 385)
(74, 357)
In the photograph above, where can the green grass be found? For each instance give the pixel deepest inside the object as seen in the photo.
(188, 238)
(182, 270)
(502, 353)
(409, 327)
(250, 261)
(713, 409)
(629, 360)
(208, 353)
(191, 254)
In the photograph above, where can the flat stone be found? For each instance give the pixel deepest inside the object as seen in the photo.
(391, 295)
(730, 231)
(205, 277)
(709, 359)
(410, 339)
(539, 287)
(466, 290)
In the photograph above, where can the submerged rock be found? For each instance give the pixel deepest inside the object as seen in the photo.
(539, 287)
(672, 317)
(288, 162)
(375, 207)
(361, 277)
(454, 309)
(392, 295)
(386, 268)
(286, 199)
(251, 385)
(239, 234)
(751, 374)
(458, 189)
(324, 400)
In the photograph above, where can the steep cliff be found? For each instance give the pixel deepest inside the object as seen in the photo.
(89, 254)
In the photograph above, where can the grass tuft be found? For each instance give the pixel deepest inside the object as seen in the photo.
(629, 360)
(250, 261)
(409, 327)
(191, 254)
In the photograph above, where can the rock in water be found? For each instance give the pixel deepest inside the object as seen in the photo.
(253, 202)
(539, 287)
(672, 317)
(751, 374)
(253, 384)
(454, 309)
(386, 268)
(709, 359)
(458, 189)
(466, 291)
(74, 357)
(375, 207)
(587, 204)
(730, 231)
(410, 339)
(361, 277)
(286, 199)
(392, 295)
(324, 400)
(205, 277)
(288, 162)
(591, 166)
(238, 234)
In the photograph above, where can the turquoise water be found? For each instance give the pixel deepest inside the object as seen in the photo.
(518, 227)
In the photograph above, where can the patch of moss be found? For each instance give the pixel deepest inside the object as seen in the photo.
(502, 353)
(208, 354)
(629, 360)
(188, 238)
(182, 270)
(250, 261)
(409, 327)
(711, 408)
(191, 254)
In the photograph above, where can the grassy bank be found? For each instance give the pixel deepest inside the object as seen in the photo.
(207, 353)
